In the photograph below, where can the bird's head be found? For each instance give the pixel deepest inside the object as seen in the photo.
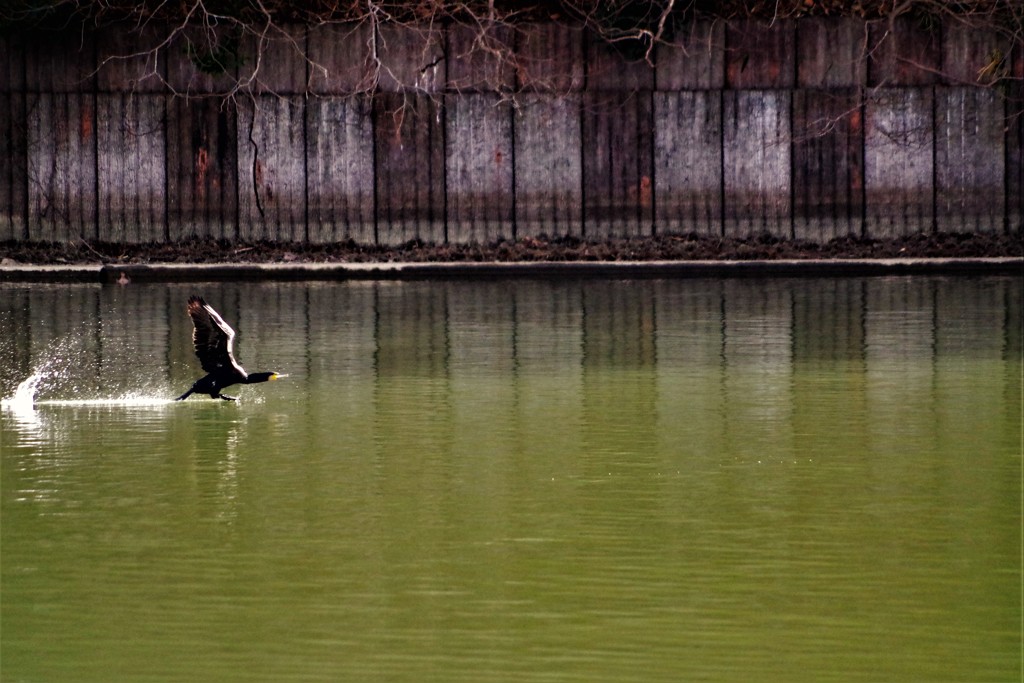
(257, 377)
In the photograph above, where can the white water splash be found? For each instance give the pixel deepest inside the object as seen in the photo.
(21, 406)
(56, 360)
(24, 396)
(24, 399)
(57, 369)
(128, 401)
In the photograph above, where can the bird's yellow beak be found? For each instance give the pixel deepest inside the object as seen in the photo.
(277, 375)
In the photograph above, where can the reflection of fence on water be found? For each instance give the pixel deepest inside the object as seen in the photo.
(531, 328)
(811, 129)
(700, 371)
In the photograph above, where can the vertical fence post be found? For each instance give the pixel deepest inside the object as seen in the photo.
(60, 111)
(479, 182)
(271, 140)
(618, 142)
(688, 130)
(899, 146)
(13, 139)
(546, 131)
(1015, 143)
(340, 166)
(810, 128)
(202, 145)
(408, 128)
(757, 129)
(131, 160)
(828, 131)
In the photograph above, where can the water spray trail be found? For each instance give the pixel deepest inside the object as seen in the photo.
(59, 356)
(24, 395)
(63, 376)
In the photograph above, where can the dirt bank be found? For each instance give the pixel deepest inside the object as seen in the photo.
(663, 247)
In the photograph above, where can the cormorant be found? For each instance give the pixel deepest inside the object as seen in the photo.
(213, 339)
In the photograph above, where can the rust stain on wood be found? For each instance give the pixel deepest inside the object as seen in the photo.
(646, 196)
(202, 166)
(774, 131)
(85, 123)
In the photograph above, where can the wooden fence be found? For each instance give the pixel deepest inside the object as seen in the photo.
(812, 128)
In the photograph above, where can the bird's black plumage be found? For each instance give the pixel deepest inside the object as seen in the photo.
(214, 343)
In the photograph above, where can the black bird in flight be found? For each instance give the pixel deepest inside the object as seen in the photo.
(213, 339)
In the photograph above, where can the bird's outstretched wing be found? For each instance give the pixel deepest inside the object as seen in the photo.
(213, 338)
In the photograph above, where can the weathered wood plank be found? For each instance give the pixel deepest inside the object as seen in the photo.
(477, 60)
(201, 62)
(898, 162)
(341, 58)
(412, 58)
(409, 149)
(12, 61)
(1014, 123)
(969, 160)
(693, 58)
(202, 169)
(688, 162)
(548, 188)
(53, 64)
(760, 55)
(129, 60)
(828, 164)
(61, 166)
(549, 57)
(478, 168)
(1015, 175)
(339, 180)
(271, 169)
(613, 67)
(757, 163)
(971, 53)
(830, 53)
(14, 168)
(632, 157)
(275, 61)
(903, 52)
(618, 164)
(131, 167)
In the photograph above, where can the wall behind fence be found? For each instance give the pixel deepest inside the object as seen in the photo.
(813, 128)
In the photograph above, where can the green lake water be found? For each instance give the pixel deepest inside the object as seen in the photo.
(647, 480)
